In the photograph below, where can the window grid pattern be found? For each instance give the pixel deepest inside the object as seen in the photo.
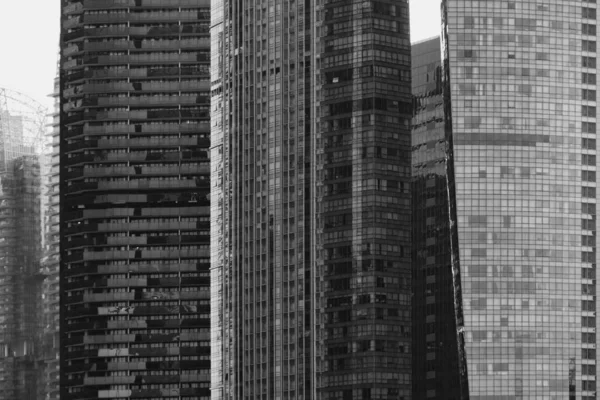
(435, 342)
(260, 83)
(522, 81)
(362, 200)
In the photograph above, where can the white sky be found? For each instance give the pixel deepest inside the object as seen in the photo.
(425, 20)
(29, 34)
(29, 51)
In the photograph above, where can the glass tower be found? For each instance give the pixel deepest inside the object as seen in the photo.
(362, 209)
(261, 111)
(310, 180)
(134, 206)
(435, 345)
(520, 90)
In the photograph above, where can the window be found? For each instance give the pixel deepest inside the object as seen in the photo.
(587, 78)
(588, 94)
(588, 176)
(589, 192)
(588, 159)
(588, 127)
(589, 144)
(588, 62)
(588, 29)
(588, 111)
(588, 224)
(589, 13)
(588, 208)
(588, 45)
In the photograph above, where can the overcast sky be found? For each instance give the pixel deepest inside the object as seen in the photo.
(29, 46)
(29, 32)
(425, 20)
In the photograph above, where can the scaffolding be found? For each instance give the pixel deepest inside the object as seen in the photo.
(22, 138)
(23, 123)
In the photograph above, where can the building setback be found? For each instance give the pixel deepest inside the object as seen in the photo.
(519, 81)
(134, 207)
(310, 179)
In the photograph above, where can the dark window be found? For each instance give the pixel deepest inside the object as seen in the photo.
(588, 127)
(588, 176)
(589, 192)
(588, 208)
(588, 111)
(588, 354)
(588, 159)
(588, 273)
(588, 29)
(589, 13)
(588, 45)
(588, 322)
(588, 224)
(588, 94)
(589, 144)
(587, 78)
(588, 62)
(589, 241)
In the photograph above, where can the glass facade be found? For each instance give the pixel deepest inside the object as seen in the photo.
(310, 189)
(520, 77)
(134, 205)
(260, 154)
(362, 190)
(435, 339)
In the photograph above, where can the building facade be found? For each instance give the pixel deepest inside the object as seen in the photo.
(134, 206)
(22, 121)
(435, 340)
(310, 179)
(20, 279)
(520, 110)
(50, 263)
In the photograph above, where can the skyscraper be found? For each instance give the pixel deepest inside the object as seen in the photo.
(134, 225)
(50, 263)
(520, 109)
(21, 128)
(435, 341)
(310, 177)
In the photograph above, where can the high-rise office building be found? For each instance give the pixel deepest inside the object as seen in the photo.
(520, 110)
(134, 224)
(310, 177)
(435, 345)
